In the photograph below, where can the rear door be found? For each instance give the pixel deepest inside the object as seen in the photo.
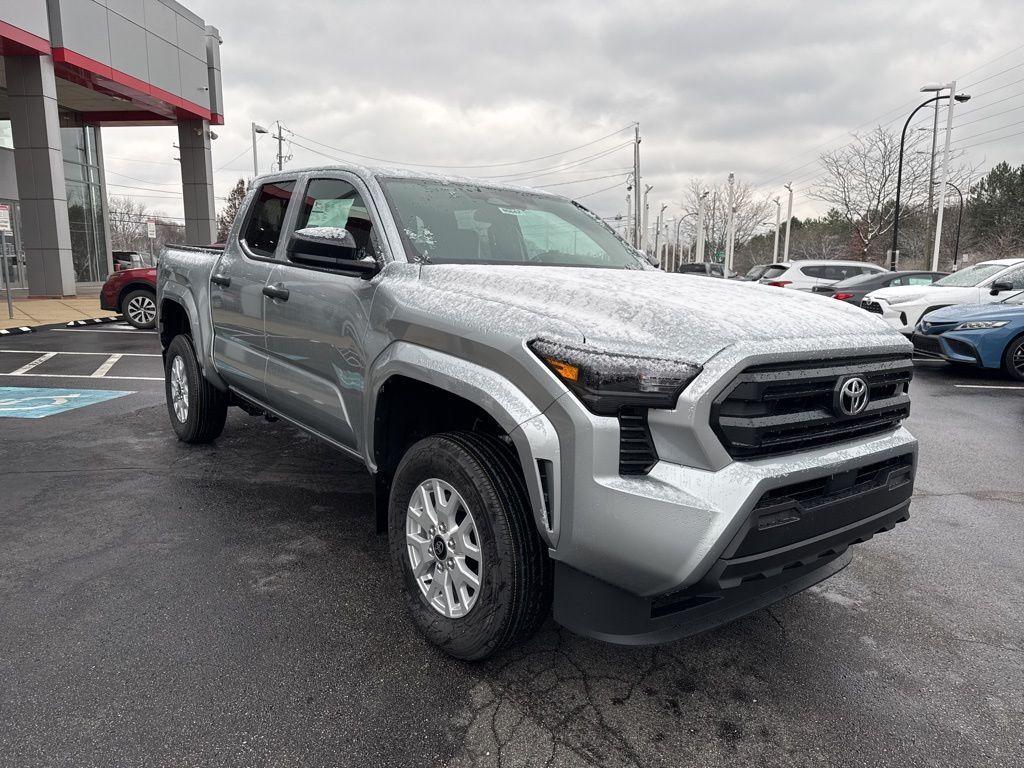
(236, 289)
(316, 334)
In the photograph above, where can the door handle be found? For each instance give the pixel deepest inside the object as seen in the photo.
(278, 292)
(223, 280)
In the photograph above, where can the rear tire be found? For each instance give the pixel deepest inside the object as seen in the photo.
(139, 308)
(1013, 359)
(197, 409)
(513, 596)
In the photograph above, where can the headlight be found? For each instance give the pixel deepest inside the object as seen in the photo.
(977, 325)
(606, 381)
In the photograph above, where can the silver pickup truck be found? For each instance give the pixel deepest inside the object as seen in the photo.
(549, 421)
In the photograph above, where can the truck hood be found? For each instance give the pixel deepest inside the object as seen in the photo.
(964, 312)
(685, 317)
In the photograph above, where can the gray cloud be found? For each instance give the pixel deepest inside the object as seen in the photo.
(717, 87)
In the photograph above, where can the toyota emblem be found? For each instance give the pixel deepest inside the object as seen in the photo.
(851, 396)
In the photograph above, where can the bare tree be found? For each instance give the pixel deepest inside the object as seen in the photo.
(751, 213)
(860, 181)
(127, 223)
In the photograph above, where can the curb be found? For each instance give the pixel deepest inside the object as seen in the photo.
(95, 321)
(15, 331)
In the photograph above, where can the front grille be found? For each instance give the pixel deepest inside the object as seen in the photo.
(637, 454)
(926, 345)
(787, 407)
(871, 306)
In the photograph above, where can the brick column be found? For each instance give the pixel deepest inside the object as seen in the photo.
(197, 182)
(39, 165)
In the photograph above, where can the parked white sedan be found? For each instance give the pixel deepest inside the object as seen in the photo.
(904, 306)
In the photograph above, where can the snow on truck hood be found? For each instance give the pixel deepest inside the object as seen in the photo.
(685, 317)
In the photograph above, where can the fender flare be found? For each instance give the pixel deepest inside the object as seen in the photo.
(533, 436)
(202, 333)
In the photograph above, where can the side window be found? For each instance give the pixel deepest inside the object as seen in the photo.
(1014, 278)
(920, 280)
(716, 270)
(813, 271)
(336, 203)
(263, 229)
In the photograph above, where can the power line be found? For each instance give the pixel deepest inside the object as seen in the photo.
(997, 74)
(598, 191)
(580, 181)
(997, 138)
(558, 169)
(245, 151)
(991, 130)
(139, 160)
(462, 167)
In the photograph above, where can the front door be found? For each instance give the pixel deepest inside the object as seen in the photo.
(316, 326)
(236, 290)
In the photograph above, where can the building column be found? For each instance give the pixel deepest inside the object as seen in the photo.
(197, 182)
(39, 165)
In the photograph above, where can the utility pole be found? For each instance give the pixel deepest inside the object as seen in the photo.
(699, 256)
(730, 236)
(778, 226)
(637, 240)
(789, 219)
(945, 176)
(646, 211)
(280, 148)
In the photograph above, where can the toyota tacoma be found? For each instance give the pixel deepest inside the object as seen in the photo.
(552, 425)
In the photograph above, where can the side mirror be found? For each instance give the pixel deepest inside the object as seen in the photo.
(1001, 286)
(331, 248)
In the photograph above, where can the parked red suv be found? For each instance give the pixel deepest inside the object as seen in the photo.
(132, 292)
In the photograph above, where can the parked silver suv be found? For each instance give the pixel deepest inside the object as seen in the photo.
(545, 416)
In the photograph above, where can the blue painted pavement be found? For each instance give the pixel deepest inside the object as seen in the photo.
(37, 402)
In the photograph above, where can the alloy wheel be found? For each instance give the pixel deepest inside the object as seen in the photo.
(443, 547)
(141, 310)
(179, 389)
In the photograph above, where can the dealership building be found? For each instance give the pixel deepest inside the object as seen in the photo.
(67, 69)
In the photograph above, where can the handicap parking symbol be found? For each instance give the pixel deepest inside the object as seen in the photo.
(38, 402)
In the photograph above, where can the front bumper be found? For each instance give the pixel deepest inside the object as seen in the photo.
(761, 564)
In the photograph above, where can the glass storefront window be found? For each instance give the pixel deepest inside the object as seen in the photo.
(85, 211)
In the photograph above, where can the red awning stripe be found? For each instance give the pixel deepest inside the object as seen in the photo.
(16, 41)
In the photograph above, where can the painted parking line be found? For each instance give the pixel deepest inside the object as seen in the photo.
(986, 386)
(100, 330)
(62, 352)
(105, 366)
(32, 364)
(40, 402)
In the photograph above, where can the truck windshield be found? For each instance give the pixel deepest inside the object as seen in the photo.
(461, 223)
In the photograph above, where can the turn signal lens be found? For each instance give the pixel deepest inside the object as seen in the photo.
(566, 370)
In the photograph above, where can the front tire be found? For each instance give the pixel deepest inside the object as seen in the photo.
(462, 541)
(139, 308)
(1013, 359)
(197, 409)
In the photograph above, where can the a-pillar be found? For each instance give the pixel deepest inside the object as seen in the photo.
(39, 165)
(197, 182)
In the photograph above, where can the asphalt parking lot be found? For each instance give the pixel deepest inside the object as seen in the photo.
(166, 605)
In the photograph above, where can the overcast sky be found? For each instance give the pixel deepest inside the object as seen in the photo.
(755, 88)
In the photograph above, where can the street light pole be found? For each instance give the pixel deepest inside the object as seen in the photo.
(646, 211)
(255, 162)
(699, 255)
(637, 240)
(789, 219)
(778, 226)
(959, 221)
(962, 97)
(945, 176)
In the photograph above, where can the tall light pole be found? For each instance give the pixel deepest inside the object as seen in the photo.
(931, 171)
(778, 226)
(959, 221)
(699, 255)
(945, 175)
(637, 240)
(646, 211)
(679, 221)
(789, 220)
(657, 233)
(255, 161)
(730, 234)
(894, 252)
